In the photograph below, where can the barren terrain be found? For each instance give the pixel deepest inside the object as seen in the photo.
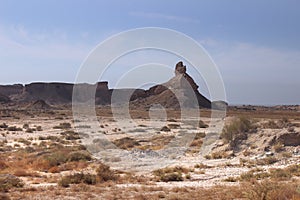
(256, 156)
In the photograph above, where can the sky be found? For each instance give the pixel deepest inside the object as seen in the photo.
(255, 44)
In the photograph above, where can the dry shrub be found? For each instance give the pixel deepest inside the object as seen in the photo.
(77, 179)
(8, 181)
(280, 124)
(270, 190)
(41, 164)
(3, 165)
(4, 196)
(54, 169)
(237, 131)
(196, 143)
(218, 155)
(159, 141)
(79, 156)
(278, 147)
(171, 173)
(267, 161)
(104, 174)
(14, 128)
(202, 166)
(126, 143)
(22, 172)
(64, 125)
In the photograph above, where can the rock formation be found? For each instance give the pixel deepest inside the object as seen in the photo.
(181, 88)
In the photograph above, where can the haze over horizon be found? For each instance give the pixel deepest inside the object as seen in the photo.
(255, 44)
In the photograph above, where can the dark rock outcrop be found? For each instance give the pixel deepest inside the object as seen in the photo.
(10, 90)
(290, 139)
(4, 99)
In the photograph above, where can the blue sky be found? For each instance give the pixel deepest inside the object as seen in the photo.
(254, 43)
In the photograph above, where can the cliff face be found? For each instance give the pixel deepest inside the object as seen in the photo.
(52, 93)
(181, 88)
(10, 90)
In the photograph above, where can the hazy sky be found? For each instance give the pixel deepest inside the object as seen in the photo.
(254, 43)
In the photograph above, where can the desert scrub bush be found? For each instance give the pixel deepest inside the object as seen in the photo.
(279, 124)
(237, 131)
(278, 147)
(26, 126)
(83, 126)
(77, 178)
(280, 174)
(71, 135)
(24, 141)
(79, 156)
(8, 181)
(56, 158)
(202, 166)
(3, 165)
(198, 140)
(253, 175)
(30, 130)
(39, 128)
(267, 161)
(270, 190)
(64, 125)
(230, 179)
(171, 173)
(294, 170)
(104, 174)
(14, 128)
(174, 176)
(126, 143)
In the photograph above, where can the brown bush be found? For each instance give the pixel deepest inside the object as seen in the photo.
(8, 181)
(77, 178)
(104, 174)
